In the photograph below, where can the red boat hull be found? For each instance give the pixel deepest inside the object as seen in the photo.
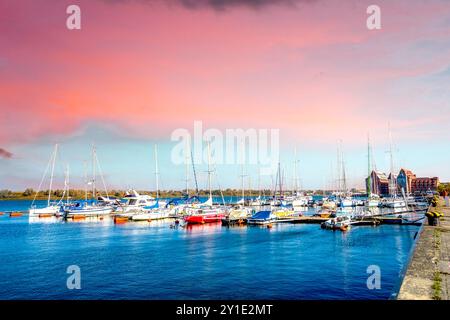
(204, 218)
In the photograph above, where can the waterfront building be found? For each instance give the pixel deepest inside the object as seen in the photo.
(422, 185)
(379, 183)
(404, 180)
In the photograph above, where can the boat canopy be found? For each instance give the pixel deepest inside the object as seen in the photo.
(263, 215)
(185, 200)
(153, 206)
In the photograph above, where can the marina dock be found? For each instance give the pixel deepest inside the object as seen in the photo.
(369, 221)
(428, 274)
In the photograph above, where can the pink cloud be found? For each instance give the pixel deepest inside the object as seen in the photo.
(310, 70)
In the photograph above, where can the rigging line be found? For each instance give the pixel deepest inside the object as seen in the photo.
(101, 175)
(195, 174)
(66, 186)
(218, 183)
(42, 179)
(52, 174)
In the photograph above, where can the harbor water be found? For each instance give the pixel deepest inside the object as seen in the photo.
(152, 260)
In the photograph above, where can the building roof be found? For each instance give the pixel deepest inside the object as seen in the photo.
(407, 172)
(380, 175)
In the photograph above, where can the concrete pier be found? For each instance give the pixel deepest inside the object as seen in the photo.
(428, 274)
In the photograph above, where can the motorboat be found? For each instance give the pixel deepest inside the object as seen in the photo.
(394, 203)
(237, 215)
(135, 202)
(346, 202)
(338, 223)
(262, 218)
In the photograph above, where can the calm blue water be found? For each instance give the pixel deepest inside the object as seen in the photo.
(153, 261)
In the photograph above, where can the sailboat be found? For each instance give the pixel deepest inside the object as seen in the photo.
(299, 200)
(135, 202)
(279, 206)
(99, 206)
(260, 200)
(373, 200)
(205, 212)
(52, 208)
(158, 209)
(239, 213)
(393, 201)
(345, 200)
(177, 206)
(241, 202)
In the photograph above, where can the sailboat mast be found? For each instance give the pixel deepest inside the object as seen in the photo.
(280, 178)
(259, 183)
(242, 170)
(93, 171)
(194, 172)
(51, 174)
(85, 181)
(392, 184)
(67, 183)
(156, 171)
(209, 170)
(342, 167)
(249, 187)
(338, 168)
(369, 171)
(187, 167)
(295, 172)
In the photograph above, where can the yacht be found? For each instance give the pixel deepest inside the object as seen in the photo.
(135, 202)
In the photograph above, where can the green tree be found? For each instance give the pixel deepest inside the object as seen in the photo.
(28, 192)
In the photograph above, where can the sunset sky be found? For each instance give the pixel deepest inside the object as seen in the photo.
(138, 70)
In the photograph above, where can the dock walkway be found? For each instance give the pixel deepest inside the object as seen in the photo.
(428, 273)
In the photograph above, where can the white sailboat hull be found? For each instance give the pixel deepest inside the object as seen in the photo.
(47, 210)
(395, 204)
(92, 211)
(346, 203)
(151, 215)
(300, 202)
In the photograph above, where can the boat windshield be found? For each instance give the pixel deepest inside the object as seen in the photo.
(132, 202)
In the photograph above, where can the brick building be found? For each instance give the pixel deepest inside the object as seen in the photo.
(422, 185)
(405, 179)
(379, 183)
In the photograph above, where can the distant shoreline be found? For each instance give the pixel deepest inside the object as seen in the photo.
(30, 194)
